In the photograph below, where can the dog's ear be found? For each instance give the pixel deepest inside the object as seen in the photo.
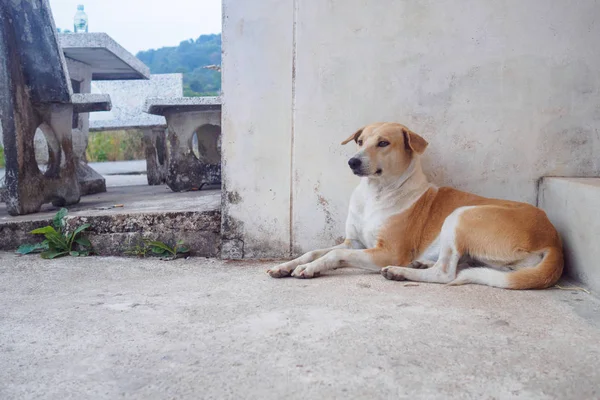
(414, 142)
(354, 136)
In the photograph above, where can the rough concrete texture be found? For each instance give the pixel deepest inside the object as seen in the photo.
(572, 206)
(185, 170)
(189, 120)
(128, 101)
(108, 59)
(122, 217)
(90, 181)
(504, 91)
(99, 328)
(121, 234)
(157, 155)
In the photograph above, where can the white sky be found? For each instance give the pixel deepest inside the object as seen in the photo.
(143, 24)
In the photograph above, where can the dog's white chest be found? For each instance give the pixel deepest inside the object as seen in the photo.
(371, 209)
(367, 216)
(372, 222)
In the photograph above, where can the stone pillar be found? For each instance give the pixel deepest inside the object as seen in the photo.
(155, 144)
(90, 181)
(186, 171)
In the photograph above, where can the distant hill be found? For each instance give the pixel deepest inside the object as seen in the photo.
(189, 58)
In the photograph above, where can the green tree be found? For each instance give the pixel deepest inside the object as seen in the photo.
(189, 58)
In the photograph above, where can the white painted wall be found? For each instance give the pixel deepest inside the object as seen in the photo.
(573, 206)
(506, 91)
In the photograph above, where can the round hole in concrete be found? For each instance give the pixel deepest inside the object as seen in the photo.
(206, 144)
(40, 145)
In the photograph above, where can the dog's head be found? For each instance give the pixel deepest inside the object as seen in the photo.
(384, 149)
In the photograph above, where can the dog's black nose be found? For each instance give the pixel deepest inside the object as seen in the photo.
(354, 163)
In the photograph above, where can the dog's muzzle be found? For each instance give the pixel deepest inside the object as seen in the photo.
(355, 164)
(361, 169)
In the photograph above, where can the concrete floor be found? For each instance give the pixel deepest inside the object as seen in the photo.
(119, 167)
(106, 328)
(117, 173)
(122, 173)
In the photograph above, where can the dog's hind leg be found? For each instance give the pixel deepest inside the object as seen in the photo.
(286, 268)
(444, 269)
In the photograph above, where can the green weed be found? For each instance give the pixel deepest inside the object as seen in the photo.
(58, 242)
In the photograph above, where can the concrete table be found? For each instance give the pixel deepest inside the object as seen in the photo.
(94, 56)
(186, 117)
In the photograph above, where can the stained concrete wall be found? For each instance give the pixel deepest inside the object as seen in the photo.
(505, 91)
(257, 126)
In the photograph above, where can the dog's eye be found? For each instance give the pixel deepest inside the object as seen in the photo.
(360, 142)
(383, 143)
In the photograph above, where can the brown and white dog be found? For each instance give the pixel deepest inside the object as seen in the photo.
(429, 234)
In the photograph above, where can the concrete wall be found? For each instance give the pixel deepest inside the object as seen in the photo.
(573, 206)
(257, 125)
(505, 91)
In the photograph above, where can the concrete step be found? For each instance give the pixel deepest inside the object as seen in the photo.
(573, 206)
(121, 217)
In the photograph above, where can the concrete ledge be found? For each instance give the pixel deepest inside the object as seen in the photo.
(120, 218)
(162, 105)
(87, 102)
(573, 206)
(115, 235)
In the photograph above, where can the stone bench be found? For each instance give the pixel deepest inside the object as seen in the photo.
(186, 117)
(88, 102)
(37, 93)
(91, 58)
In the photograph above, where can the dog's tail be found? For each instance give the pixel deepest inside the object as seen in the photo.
(540, 276)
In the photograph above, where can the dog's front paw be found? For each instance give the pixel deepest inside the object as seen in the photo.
(393, 273)
(305, 272)
(280, 271)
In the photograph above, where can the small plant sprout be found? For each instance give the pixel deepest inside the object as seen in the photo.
(167, 252)
(138, 250)
(58, 242)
